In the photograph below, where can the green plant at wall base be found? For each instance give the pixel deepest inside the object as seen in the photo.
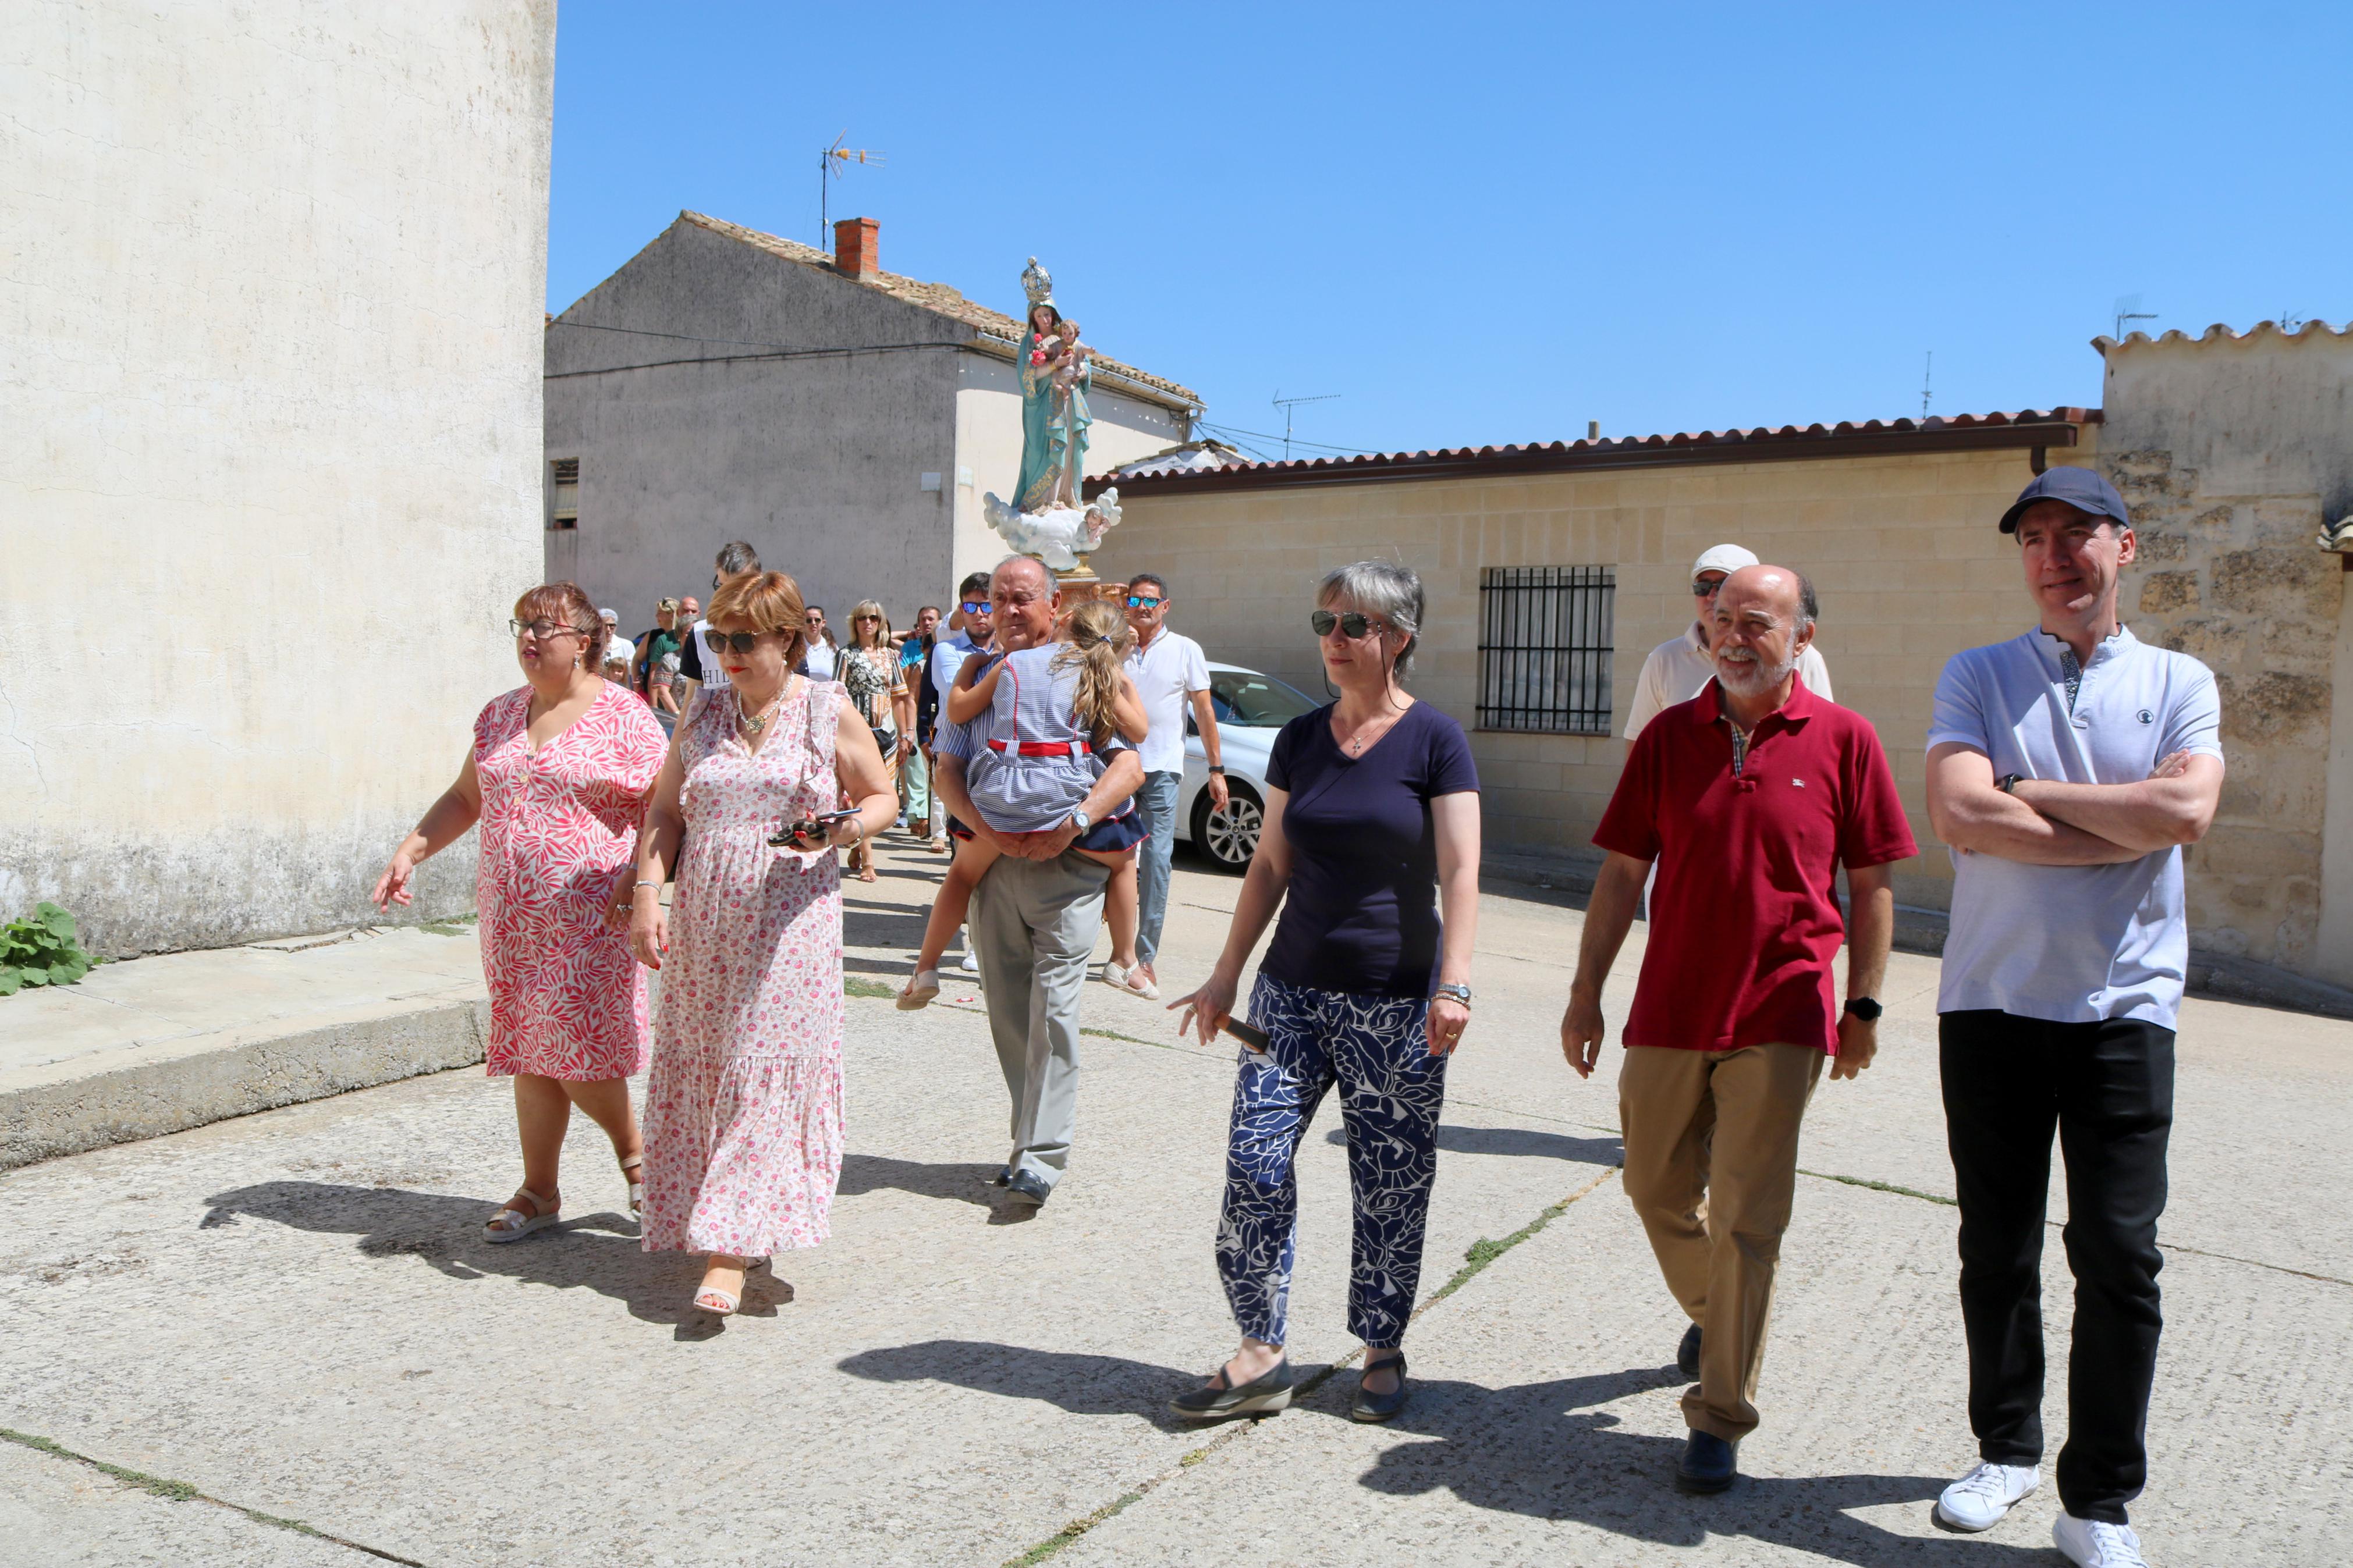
(42, 949)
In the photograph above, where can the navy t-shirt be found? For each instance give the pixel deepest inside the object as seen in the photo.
(1361, 912)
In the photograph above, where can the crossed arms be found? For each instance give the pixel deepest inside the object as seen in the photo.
(2044, 823)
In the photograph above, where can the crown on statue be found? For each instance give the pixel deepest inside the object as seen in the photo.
(1038, 283)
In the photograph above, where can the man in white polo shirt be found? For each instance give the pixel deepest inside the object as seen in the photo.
(1680, 667)
(1170, 671)
(2066, 768)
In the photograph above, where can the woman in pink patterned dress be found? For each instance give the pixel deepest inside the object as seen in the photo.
(560, 775)
(744, 1103)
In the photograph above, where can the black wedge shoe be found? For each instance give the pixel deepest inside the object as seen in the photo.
(1216, 1401)
(1380, 1406)
(1687, 1354)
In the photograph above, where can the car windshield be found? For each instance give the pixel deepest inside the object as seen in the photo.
(1256, 701)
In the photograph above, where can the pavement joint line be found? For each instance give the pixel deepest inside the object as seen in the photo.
(183, 1492)
(1481, 1254)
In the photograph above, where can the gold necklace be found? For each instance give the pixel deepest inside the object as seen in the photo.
(752, 724)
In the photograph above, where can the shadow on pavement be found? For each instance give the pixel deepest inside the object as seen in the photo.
(595, 1252)
(1539, 1449)
(863, 1173)
(1517, 1141)
(1079, 1384)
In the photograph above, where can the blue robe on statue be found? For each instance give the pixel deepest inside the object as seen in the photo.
(1050, 441)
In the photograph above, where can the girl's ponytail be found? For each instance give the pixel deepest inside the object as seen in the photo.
(1100, 640)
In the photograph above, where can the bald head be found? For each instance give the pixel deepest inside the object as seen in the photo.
(1763, 619)
(1023, 595)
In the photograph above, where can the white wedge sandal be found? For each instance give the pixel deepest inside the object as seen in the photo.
(513, 1223)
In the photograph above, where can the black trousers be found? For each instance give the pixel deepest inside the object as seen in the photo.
(2107, 1088)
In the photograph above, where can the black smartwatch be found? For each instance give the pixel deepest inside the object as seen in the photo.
(2007, 782)
(1864, 1008)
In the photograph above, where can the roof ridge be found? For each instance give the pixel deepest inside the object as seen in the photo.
(2222, 332)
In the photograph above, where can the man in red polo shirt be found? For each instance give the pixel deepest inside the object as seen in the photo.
(1749, 797)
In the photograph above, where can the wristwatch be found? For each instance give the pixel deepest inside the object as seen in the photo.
(1460, 992)
(2007, 782)
(1081, 821)
(1864, 1008)
(1217, 767)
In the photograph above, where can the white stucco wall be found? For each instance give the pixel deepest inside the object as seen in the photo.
(270, 443)
(988, 445)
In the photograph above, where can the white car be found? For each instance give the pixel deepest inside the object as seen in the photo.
(1251, 710)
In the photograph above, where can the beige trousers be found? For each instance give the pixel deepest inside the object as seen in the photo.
(1712, 1167)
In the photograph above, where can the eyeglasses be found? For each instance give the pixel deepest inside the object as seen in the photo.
(1138, 602)
(866, 618)
(540, 631)
(979, 608)
(742, 642)
(1703, 588)
(1352, 624)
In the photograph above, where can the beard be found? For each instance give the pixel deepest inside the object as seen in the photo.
(1744, 674)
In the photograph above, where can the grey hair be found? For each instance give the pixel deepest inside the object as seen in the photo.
(1031, 561)
(736, 557)
(1155, 578)
(1809, 609)
(1386, 589)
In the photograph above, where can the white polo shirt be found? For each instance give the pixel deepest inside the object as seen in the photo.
(2071, 943)
(1680, 668)
(1163, 672)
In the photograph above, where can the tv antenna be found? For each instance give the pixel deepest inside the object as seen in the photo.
(1927, 380)
(1288, 404)
(829, 167)
(2129, 309)
(2290, 322)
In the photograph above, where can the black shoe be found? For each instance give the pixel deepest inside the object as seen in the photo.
(1380, 1406)
(1023, 1187)
(1216, 1402)
(1708, 1464)
(1687, 1353)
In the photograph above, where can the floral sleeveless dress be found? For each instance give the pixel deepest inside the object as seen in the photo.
(743, 1116)
(559, 829)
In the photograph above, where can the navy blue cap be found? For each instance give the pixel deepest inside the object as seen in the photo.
(2079, 488)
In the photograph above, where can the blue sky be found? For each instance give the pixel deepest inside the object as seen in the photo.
(1492, 224)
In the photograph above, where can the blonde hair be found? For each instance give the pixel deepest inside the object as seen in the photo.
(882, 624)
(1098, 640)
(767, 602)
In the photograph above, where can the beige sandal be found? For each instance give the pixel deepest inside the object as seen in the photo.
(636, 1185)
(513, 1223)
(725, 1304)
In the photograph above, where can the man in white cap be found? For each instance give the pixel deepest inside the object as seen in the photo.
(1680, 668)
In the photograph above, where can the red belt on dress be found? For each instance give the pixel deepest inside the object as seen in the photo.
(1047, 748)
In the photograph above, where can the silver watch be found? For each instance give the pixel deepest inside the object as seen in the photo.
(1460, 992)
(1081, 821)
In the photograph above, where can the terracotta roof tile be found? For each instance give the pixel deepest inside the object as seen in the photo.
(2221, 332)
(999, 328)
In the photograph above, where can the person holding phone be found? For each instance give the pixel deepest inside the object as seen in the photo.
(1371, 849)
(743, 1103)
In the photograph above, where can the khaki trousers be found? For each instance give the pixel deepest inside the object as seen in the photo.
(1712, 1167)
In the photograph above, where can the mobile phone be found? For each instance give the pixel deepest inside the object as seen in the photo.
(1250, 1035)
(783, 836)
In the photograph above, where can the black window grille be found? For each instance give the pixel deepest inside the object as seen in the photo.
(1545, 641)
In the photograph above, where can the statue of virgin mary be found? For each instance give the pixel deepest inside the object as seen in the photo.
(1053, 429)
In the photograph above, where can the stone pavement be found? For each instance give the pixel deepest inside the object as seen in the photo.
(293, 1314)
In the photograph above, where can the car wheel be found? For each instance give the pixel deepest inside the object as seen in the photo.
(1228, 838)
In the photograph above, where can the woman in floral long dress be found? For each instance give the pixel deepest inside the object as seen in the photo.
(743, 1104)
(559, 776)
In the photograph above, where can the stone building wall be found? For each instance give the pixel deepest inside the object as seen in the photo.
(2230, 451)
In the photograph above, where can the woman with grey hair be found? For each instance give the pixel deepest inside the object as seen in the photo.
(1371, 831)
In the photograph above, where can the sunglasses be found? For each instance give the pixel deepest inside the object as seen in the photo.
(1138, 602)
(742, 642)
(1704, 589)
(971, 608)
(540, 631)
(1352, 624)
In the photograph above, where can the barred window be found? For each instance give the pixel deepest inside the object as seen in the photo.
(564, 494)
(1545, 641)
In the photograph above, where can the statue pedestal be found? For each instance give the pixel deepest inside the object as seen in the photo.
(1083, 586)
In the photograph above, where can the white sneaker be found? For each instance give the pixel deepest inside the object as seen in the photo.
(2088, 1543)
(1979, 1500)
(969, 964)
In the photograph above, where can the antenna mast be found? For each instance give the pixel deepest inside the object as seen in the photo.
(1927, 380)
(2129, 309)
(1287, 403)
(829, 164)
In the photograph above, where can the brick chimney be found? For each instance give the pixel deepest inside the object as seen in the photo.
(856, 250)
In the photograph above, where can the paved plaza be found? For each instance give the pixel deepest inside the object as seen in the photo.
(292, 1315)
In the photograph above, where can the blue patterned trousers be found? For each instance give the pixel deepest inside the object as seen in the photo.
(1392, 1090)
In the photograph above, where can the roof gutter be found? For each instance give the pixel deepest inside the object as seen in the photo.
(1902, 439)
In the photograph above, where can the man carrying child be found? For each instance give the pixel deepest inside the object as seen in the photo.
(1037, 909)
